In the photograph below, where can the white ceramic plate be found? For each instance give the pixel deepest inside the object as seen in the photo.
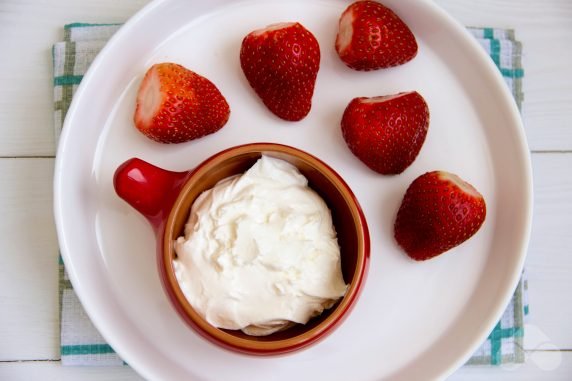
(414, 320)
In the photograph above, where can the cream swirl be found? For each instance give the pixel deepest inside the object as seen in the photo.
(260, 251)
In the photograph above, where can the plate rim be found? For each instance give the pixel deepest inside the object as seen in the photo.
(484, 61)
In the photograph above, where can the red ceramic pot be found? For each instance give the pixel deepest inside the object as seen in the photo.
(165, 198)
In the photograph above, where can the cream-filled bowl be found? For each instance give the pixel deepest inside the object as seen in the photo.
(139, 182)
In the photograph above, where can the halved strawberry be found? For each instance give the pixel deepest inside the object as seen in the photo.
(176, 105)
(386, 132)
(371, 36)
(281, 63)
(439, 211)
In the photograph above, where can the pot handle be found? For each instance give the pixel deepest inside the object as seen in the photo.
(151, 190)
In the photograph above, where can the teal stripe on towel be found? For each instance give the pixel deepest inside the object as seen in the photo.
(89, 349)
(512, 73)
(67, 80)
(82, 24)
(495, 51)
(488, 32)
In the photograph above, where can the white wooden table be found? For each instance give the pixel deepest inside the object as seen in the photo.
(29, 322)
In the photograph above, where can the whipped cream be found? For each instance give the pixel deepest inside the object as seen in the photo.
(260, 251)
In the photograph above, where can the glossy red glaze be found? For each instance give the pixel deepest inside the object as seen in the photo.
(149, 189)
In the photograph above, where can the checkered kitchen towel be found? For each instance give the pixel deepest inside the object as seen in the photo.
(81, 344)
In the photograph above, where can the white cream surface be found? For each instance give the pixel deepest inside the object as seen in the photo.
(260, 250)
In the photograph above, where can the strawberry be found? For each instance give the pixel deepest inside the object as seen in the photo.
(386, 132)
(439, 211)
(281, 63)
(372, 37)
(176, 105)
